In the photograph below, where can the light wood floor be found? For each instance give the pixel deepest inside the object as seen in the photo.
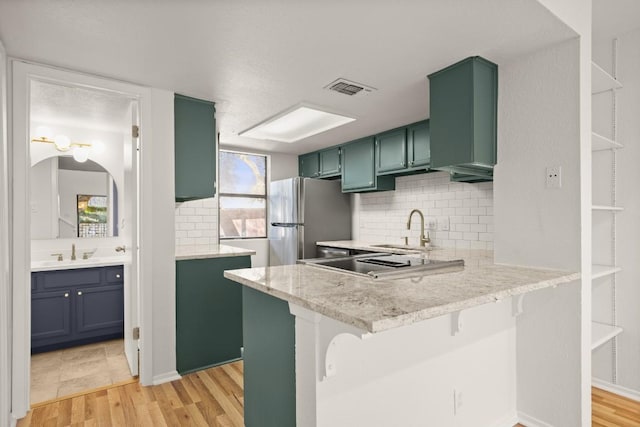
(214, 397)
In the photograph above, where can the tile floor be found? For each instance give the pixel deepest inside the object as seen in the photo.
(63, 372)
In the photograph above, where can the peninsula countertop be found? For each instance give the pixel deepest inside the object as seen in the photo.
(210, 251)
(379, 305)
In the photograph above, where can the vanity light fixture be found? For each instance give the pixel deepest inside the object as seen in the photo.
(63, 143)
(296, 123)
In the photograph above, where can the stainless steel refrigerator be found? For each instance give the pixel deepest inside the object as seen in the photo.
(303, 211)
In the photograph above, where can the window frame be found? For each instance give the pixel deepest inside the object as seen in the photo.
(220, 195)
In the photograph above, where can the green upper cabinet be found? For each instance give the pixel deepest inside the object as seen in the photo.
(330, 165)
(391, 151)
(195, 148)
(419, 144)
(464, 107)
(309, 165)
(358, 168)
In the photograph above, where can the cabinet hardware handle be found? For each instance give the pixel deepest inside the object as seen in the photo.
(401, 163)
(79, 293)
(411, 162)
(117, 276)
(66, 294)
(370, 182)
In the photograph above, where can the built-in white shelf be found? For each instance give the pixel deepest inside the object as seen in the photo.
(598, 271)
(607, 208)
(601, 333)
(601, 81)
(599, 143)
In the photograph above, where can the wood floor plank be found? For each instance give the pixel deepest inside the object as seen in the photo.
(214, 397)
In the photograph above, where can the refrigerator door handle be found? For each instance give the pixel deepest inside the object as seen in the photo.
(285, 224)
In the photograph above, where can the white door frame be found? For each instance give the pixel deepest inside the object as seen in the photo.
(5, 291)
(21, 73)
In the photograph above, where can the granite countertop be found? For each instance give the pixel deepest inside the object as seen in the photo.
(378, 305)
(210, 251)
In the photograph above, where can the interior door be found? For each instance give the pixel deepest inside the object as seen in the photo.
(129, 232)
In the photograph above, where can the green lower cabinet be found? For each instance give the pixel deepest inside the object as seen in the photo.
(208, 313)
(358, 168)
(269, 361)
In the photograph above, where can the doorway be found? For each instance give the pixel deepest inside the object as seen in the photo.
(80, 133)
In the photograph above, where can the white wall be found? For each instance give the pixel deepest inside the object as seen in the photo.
(628, 222)
(539, 126)
(407, 376)
(467, 208)
(157, 227)
(44, 199)
(5, 261)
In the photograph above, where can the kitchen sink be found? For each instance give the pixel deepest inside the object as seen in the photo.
(386, 266)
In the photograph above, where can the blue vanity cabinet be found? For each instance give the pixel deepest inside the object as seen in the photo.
(51, 316)
(76, 306)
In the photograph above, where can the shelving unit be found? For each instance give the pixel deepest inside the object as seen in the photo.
(613, 209)
(598, 270)
(601, 81)
(600, 143)
(604, 332)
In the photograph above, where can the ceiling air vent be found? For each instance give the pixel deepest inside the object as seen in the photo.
(349, 88)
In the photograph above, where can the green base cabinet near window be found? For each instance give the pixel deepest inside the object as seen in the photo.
(464, 108)
(359, 168)
(269, 361)
(208, 313)
(195, 148)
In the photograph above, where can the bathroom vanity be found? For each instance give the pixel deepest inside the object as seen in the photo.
(76, 306)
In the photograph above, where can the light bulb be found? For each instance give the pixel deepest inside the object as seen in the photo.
(81, 154)
(62, 142)
(44, 132)
(97, 146)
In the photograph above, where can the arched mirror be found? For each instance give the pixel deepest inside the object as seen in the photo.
(71, 199)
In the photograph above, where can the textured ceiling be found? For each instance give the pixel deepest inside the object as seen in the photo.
(77, 107)
(256, 58)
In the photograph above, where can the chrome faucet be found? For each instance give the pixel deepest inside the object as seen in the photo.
(73, 252)
(423, 240)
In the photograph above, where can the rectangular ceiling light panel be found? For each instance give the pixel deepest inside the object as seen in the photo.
(298, 123)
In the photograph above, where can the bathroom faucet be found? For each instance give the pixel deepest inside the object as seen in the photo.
(73, 252)
(423, 240)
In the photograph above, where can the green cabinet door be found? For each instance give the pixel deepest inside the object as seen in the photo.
(358, 168)
(418, 144)
(269, 361)
(391, 151)
(309, 165)
(463, 103)
(208, 313)
(195, 148)
(330, 162)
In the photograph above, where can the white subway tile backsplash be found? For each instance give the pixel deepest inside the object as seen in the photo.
(197, 222)
(468, 207)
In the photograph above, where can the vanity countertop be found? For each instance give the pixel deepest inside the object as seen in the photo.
(68, 264)
(210, 251)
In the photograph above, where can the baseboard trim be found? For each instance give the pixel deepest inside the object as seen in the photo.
(530, 421)
(616, 389)
(166, 377)
(508, 421)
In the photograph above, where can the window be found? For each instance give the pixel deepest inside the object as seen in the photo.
(243, 195)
